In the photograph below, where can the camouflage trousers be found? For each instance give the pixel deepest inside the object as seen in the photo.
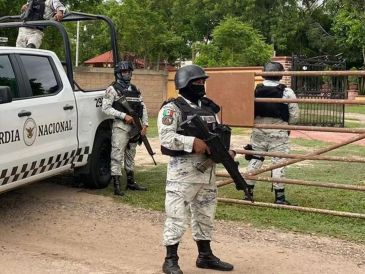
(272, 141)
(28, 36)
(187, 201)
(123, 152)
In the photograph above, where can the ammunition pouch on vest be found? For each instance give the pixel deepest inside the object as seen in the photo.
(275, 110)
(133, 98)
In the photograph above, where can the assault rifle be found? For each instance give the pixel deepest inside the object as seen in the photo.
(25, 14)
(218, 152)
(136, 130)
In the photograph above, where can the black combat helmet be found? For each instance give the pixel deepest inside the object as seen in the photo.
(123, 65)
(188, 73)
(271, 67)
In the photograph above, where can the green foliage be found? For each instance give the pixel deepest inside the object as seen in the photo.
(353, 79)
(10, 7)
(349, 29)
(171, 30)
(234, 44)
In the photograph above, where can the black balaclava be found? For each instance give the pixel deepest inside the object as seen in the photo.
(193, 92)
(124, 79)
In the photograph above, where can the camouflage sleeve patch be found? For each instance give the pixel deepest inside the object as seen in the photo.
(168, 116)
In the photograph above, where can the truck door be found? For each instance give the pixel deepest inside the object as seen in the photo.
(11, 126)
(46, 121)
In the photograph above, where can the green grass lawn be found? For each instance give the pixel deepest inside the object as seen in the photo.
(313, 223)
(152, 127)
(310, 223)
(355, 109)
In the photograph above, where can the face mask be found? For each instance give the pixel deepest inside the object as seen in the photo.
(124, 77)
(193, 92)
(199, 90)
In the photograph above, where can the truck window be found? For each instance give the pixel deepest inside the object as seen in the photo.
(41, 75)
(7, 76)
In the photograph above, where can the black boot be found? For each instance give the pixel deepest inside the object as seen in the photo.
(206, 259)
(250, 191)
(280, 197)
(170, 265)
(131, 184)
(116, 182)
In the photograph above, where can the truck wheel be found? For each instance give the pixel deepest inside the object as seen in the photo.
(99, 175)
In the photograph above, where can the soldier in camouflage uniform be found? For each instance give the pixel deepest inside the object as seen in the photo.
(189, 193)
(272, 140)
(31, 37)
(124, 145)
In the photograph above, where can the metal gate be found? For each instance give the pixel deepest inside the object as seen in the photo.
(320, 87)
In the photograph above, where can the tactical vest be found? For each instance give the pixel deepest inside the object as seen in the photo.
(133, 97)
(34, 11)
(207, 112)
(275, 110)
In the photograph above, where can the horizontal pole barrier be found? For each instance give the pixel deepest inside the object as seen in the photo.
(312, 73)
(310, 101)
(310, 128)
(296, 208)
(291, 182)
(315, 152)
(301, 156)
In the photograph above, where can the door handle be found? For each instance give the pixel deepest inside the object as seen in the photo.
(24, 113)
(67, 107)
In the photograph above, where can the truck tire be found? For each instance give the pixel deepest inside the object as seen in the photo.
(99, 167)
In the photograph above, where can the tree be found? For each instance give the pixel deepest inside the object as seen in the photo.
(144, 31)
(349, 29)
(234, 44)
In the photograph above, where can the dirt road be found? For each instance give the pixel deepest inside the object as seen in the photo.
(51, 227)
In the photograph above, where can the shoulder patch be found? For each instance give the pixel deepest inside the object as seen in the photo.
(168, 112)
(168, 116)
(167, 120)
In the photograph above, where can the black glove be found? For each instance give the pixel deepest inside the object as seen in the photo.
(248, 157)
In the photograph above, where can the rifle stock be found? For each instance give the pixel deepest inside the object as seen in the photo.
(138, 127)
(219, 153)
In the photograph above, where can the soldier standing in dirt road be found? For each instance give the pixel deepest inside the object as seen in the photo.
(189, 193)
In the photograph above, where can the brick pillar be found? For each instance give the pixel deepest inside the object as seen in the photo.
(286, 61)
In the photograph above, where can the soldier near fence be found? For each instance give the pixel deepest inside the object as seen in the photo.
(34, 10)
(123, 143)
(272, 140)
(189, 192)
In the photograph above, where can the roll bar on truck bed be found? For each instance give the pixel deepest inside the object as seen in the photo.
(16, 22)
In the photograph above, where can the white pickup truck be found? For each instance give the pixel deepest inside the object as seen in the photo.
(46, 125)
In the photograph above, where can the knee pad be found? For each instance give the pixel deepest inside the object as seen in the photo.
(31, 45)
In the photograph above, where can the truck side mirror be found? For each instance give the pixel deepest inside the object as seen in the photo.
(5, 95)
